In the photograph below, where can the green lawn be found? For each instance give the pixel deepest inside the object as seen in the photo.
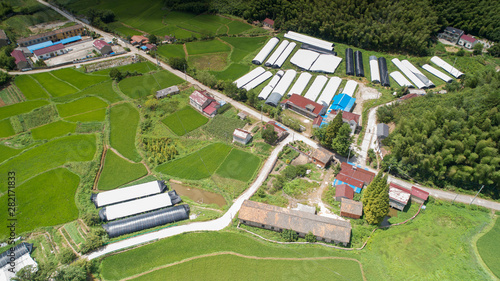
(6, 129)
(80, 106)
(91, 116)
(7, 152)
(78, 79)
(172, 51)
(118, 171)
(184, 120)
(206, 47)
(103, 90)
(198, 165)
(231, 267)
(239, 165)
(48, 156)
(489, 248)
(20, 108)
(124, 119)
(45, 200)
(52, 130)
(54, 86)
(30, 88)
(145, 85)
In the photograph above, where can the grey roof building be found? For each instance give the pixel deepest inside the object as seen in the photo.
(167, 92)
(451, 34)
(382, 131)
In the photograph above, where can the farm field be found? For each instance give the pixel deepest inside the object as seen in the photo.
(30, 88)
(184, 121)
(239, 165)
(91, 116)
(236, 27)
(123, 30)
(222, 127)
(52, 130)
(53, 85)
(80, 106)
(197, 165)
(171, 51)
(206, 47)
(232, 72)
(489, 248)
(124, 119)
(78, 79)
(243, 46)
(145, 85)
(103, 90)
(47, 204)
(118, 171)
(7, 152)
(140, 67)
(6, 129)
(20, 108)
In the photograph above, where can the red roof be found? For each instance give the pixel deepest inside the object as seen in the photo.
(99, 44)
(348, 115)
(48, 49)
(350, 180)
(408, 96)
(417, 192)
(318, 120)
(211, 108)
(277, 128)
(302, 102)
(343, 190)
(200, 97)
(356, 173)
(18, 55)
(150, 46)
(139, 39)
(468, 38)
(268, 21)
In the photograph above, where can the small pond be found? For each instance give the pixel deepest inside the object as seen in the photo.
(198, 195)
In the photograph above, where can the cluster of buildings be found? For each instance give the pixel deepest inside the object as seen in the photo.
(15, 259)
(458, 36)
(204, 103)
(142, 42)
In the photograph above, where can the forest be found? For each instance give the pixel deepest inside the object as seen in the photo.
(450, 139)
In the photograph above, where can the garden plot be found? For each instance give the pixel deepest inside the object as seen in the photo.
(184, 121)
(118, 171)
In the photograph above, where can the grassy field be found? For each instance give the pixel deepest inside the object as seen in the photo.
(239, 165)
(124, 119)
(198, 165)
(145, 85)
(184, 120)
(91, 116)
(6, 129)
(140, 67)
(222, 127)
(47, 204)
(30, 88)
(20, 108)
(206, 47)
(210, 62)
(7, 152)
(53, 85)
(232, 72)
(118, 171)
(80, 106)
(243, 46)
(489, 248)
(52, 130)
(172, 51)
(236, 27)
(103, 90)
(78, 79)
(123, 30)
(35, 160)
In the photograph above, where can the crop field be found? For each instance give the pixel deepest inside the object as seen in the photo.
(35, 161)
(239, 165)
(145, 85)
(236, 27)
(103, 90)
(20, 108)
(140, 67)
(124, 119)
(244, 46)
(206, 24)
(198, 165)
(53, 130)
(211, 62)
(489, 248)
(30, 88)
(91, 116)
(122, 29)
(53, 85)
(118, 171)
(184, 121)
(172, 51)
(7, 152)
(233, 72)
(6, 129)
(78, 79)
(47, 204)
(72, 229)
(206, 47)
(80, 106)
(222, 127)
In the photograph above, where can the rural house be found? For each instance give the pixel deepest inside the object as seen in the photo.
(418, 195)
(282, 133)
(303, 106)
(268, 22)
(241, 136)
(55, 35)
(174, 90)
(20, 59)
(321, 157)
(343, 191)
(451, 34)
(398, 196)
(382, 131)
(103, 47)
(355, 177)
(467, 41)
(276, 218)
(351, 209)
(139, 40)
(204, 103)
(4, 40)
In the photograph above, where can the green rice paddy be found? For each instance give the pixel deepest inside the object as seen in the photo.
(78, 79)
(206, 47)
(6, 129)
(184, 120)
(239, 165)
(488, 246)
(7, 152)
(145, 85)
(53, 130)
(80, 106)
(55, 86)
(118, 171)
(124, 119)
(20, 108)
(30, 87)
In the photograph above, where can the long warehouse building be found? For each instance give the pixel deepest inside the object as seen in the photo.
(316, 87)
(322, 44)
(384, 74)
(349, 62)
(326, 64)
(272, 59)
(437, 73)
(358, 64)
(265, 51)
(401, 80)
(266, 91)
(350, 88)
(281, 88)
(128, 193)
(374, 72)
(329, 91)
(245, 79)
(138, 206)
(300, 84)
(286, 53)
(258, 80)
(447, 67)
(428, 83)
(414, 79)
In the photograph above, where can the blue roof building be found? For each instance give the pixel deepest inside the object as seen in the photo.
(39, 46)
(69, 40)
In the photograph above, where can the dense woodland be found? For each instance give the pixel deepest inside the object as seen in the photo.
(451, 139)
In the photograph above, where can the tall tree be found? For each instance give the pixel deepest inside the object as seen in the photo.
(376, 199)
(269, 135)
(332, 130)
(342, 140)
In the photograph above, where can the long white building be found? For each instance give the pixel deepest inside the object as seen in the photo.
(281, 60)
(316, 87)
(265, 51)
(418, 83)
(128, 193)
(350, 88)
(309, 40)
(329, 91)
(245, 79)
(266, 91)
(447, 67)
(401, 80)
(437, 73)
(428, 83)
(272, 59)
(300, 84)
(258, 80)
(374, 71)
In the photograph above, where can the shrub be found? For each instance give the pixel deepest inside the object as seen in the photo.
(310, 237)
(289, 235)
(66, 256)
(90, 219)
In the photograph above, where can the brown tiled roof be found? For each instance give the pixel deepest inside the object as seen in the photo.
(351, 207)
(239, 133)
(468, 38)
(139, 39)
(348, 115)
(18, 55)
(322, 155)
(350, 180)
(318, 120)
(343, 190)
(99, 44)
(50, 33)
(357, 173)
(277, 128)
(408, 96)
(211, 108)
(302, 102)
(417, 192)
(303, 222)
(48, 49)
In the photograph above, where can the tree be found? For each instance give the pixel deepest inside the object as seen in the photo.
(151, 103)
(310, 237)
(269, 135)
(332, 130)
(66, 256)
(376, 199)
(289, 235)
(290, 172)
(342, 140)
(116, 74)
(494, 50)
(4, 78)
(90, 219)
(95, 239)
(71, 273)
(27, 273)
(152, 39)
(178, 63)
(478, 49)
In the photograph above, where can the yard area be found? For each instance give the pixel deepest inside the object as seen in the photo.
(184, 121)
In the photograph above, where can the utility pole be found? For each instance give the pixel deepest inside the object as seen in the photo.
(476, 195)
(185, 75)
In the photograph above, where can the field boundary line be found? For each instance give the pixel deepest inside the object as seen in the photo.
(246, 257)
(50, 72)
(65, 239)
(486, 228)
(36, 81)
(79, 114)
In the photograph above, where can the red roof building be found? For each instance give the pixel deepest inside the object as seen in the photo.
(211, 109)
(304, 106)
(418, 195)
(102, 47)
(343, 191)
(268, 22)
(398, 196)
(350, 181)
(203, 102)
(357, 173)
(20, 59)
(50, 51)
(139, 40)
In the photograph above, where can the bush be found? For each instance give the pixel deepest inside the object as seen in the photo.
(310, 237)
(178, 63)
(90, 219)
(289, 235)
(66, 256)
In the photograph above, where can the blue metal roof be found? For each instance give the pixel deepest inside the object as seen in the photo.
(342, 102)
(38, 46)
(144, 47)
(69, 40)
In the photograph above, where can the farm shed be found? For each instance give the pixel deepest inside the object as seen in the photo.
(69, 40)
(273, 99)
(276, 218)
(265, 51)
(428, 83)
(50, 51)
(353, 176)
(103, 47)
(137, 206)
(21, 254)
(447, 67)
(258, 80)
(282, 133)
(384, 75)
(322, 44)
(358, 64)
(418, 195)
(245, 79)
(266, 91)
(39, 46)
(398, 196)
(174, 90)
(4, 40)
(241, 136)
(282, 58)
(148, 220)
(351, 209)
(326, 64)
(303, 106)
(382, 131)
(350, 88)
(321, 157)
(304, 59)
(272, 59)
(349, 62)
(437, 73)
(401, 80)
(281, 87)
(20, 60)
(343, 191)
(329, 91)
(414, 79)
(300, 84)
(114, 196)
(374, 72)
(342, 102)
(316, 87)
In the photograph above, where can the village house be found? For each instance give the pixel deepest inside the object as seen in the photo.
(268, 23)
(20, 59)
(468, 41)
(343, 191)
(241, 136)
(103, 47)
(303, 106)
(204, 103)
(139, 40)
(355, 177)
(351, 209)
(275, 218)
(398, 196)
(321, 157)
(347, 117)
(382, 131)
(55, 35)
(4, 40)
(418, 195)
(174, 90)
(451, 34)
(280, 131)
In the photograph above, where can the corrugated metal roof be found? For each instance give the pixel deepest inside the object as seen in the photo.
(199, 97)
(419, 193)
(137, 206)
(49, 49)
(18, 55)
(99, 44)
(343, 190)
(239, 133)
(399, 193)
